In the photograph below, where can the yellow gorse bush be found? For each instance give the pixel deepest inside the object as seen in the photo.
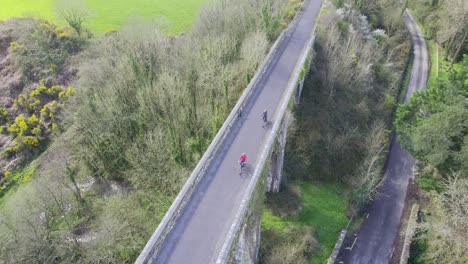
(37, 92)
(31, 141)
(15, 46)
(4, 116)
(19, 127)
(7, 174)
(42, 104)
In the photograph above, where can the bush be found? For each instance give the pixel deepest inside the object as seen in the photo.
(67, 93)
(294, 244)
(10, 151)
(43, 104)
(40, 217)
(15, 46)
(7, 174)
(19, 127)
(443, 233)
(390, 101)
(121, 236)
(417, 248)
(43, 52)
(4, 116)
(382, 74)
(30, 141)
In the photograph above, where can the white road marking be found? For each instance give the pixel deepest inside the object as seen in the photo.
(353, 244)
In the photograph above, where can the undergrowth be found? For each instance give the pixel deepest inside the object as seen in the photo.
(323, 213)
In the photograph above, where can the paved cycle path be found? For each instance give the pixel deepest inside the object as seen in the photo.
(199, 233)
(375, 241)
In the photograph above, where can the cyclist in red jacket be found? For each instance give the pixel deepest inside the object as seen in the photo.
(242, 161)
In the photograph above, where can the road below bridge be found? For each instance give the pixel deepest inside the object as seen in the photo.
(198, 235)
(375, 241)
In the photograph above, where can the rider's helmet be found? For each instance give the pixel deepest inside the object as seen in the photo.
(243, 154)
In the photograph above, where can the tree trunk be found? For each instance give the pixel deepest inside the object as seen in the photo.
(459, 49)
(71, 173)
(449, 47)
(193, 93)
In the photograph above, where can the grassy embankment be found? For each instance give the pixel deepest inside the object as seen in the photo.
(18, 178)
(179, 14)
(323, 210)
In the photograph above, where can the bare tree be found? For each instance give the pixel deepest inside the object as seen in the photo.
(454, 27)
(368, 177)
(446, 226)
(253, 49)
(75, 13)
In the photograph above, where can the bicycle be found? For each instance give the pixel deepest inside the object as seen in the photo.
(242, 165)
(242, 162)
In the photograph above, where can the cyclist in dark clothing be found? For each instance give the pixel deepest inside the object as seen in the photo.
(265, 117)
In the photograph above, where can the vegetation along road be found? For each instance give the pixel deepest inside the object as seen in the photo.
(199, 233)
(374, 243)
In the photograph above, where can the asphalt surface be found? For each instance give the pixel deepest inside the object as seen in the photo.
(198, 235)
(375, 241)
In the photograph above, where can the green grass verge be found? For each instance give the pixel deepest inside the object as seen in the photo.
(108, 16)
(435, 61)
(18, 178)
(323, 210)
(439, 67)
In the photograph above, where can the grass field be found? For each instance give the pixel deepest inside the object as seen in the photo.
(323, 210)
(111, 15)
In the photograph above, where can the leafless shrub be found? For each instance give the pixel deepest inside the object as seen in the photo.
(446, 225)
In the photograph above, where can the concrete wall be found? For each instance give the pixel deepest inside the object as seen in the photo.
(297, 97)
(248, 244)
(410, 229)
(275, 170)
(337, 248)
